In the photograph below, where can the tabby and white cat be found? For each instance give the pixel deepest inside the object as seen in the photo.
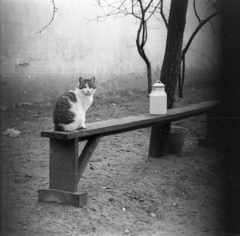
(70, 109)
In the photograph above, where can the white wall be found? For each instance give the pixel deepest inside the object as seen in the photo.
(41, 66)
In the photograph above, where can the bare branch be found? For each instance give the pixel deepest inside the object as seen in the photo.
(133, 11)
(214, 65)
(141, 11)
(163, 15)
(135, 8)
(145, 34)
(184, 51)
(213, 4)
(142, 27)
(203, 22)
(195, 10)
(149, 4)
(118, 9)
(54, 11)
(156, 16)
(155, 8)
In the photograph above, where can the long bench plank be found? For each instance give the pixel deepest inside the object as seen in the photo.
(124, 124)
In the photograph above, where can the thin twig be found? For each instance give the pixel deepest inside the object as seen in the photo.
(184, 51)
(213, 4)
(153, 11)
(162, 14)
(149, 4)
(214, 66)
(195, 10)
(54, 11)
(196, 31)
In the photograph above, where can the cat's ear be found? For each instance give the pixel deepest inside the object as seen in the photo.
(80, 79)
(93, 79)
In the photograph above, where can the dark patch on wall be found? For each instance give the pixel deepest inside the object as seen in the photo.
(3, 79)
(22, 65)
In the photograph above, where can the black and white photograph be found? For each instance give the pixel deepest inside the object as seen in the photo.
(120, 118)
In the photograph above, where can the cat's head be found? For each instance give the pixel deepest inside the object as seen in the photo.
(87, 86)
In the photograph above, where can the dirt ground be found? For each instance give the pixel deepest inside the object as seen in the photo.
(128, 192)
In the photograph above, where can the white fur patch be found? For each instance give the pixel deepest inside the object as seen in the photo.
(79, 108)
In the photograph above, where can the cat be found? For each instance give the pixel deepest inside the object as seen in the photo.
(70, 109)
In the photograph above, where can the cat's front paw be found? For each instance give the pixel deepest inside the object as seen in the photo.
(83, 126)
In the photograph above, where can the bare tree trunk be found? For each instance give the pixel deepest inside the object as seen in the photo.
(141, 40)
(170, 72)
(230, 87)
(149, 75)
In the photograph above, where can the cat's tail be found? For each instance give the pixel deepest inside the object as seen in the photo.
(58, 127)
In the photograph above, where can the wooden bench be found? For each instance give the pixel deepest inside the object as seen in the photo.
(67, 166)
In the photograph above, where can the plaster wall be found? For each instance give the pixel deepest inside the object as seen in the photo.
(40, 66)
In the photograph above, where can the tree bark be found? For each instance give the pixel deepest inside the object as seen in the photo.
(230, 87)
(140, 42)
(149, 76)
(170, 72)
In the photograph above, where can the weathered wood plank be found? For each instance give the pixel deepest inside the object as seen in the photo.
(124, 124)
(63, 165)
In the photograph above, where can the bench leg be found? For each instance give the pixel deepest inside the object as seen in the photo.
(63, 164)
(65, 171)
(213, 130)
(62, 197)
(158, 145)
(63, 179)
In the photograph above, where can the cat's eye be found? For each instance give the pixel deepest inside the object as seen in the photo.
(92, 86)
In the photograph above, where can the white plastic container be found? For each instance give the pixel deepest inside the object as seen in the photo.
(158, 99)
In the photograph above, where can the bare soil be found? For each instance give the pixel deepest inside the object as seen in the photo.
(128, 192)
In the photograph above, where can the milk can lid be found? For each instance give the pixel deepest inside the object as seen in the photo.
(158, 84)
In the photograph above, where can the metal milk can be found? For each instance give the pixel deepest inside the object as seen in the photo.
(158, 99)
